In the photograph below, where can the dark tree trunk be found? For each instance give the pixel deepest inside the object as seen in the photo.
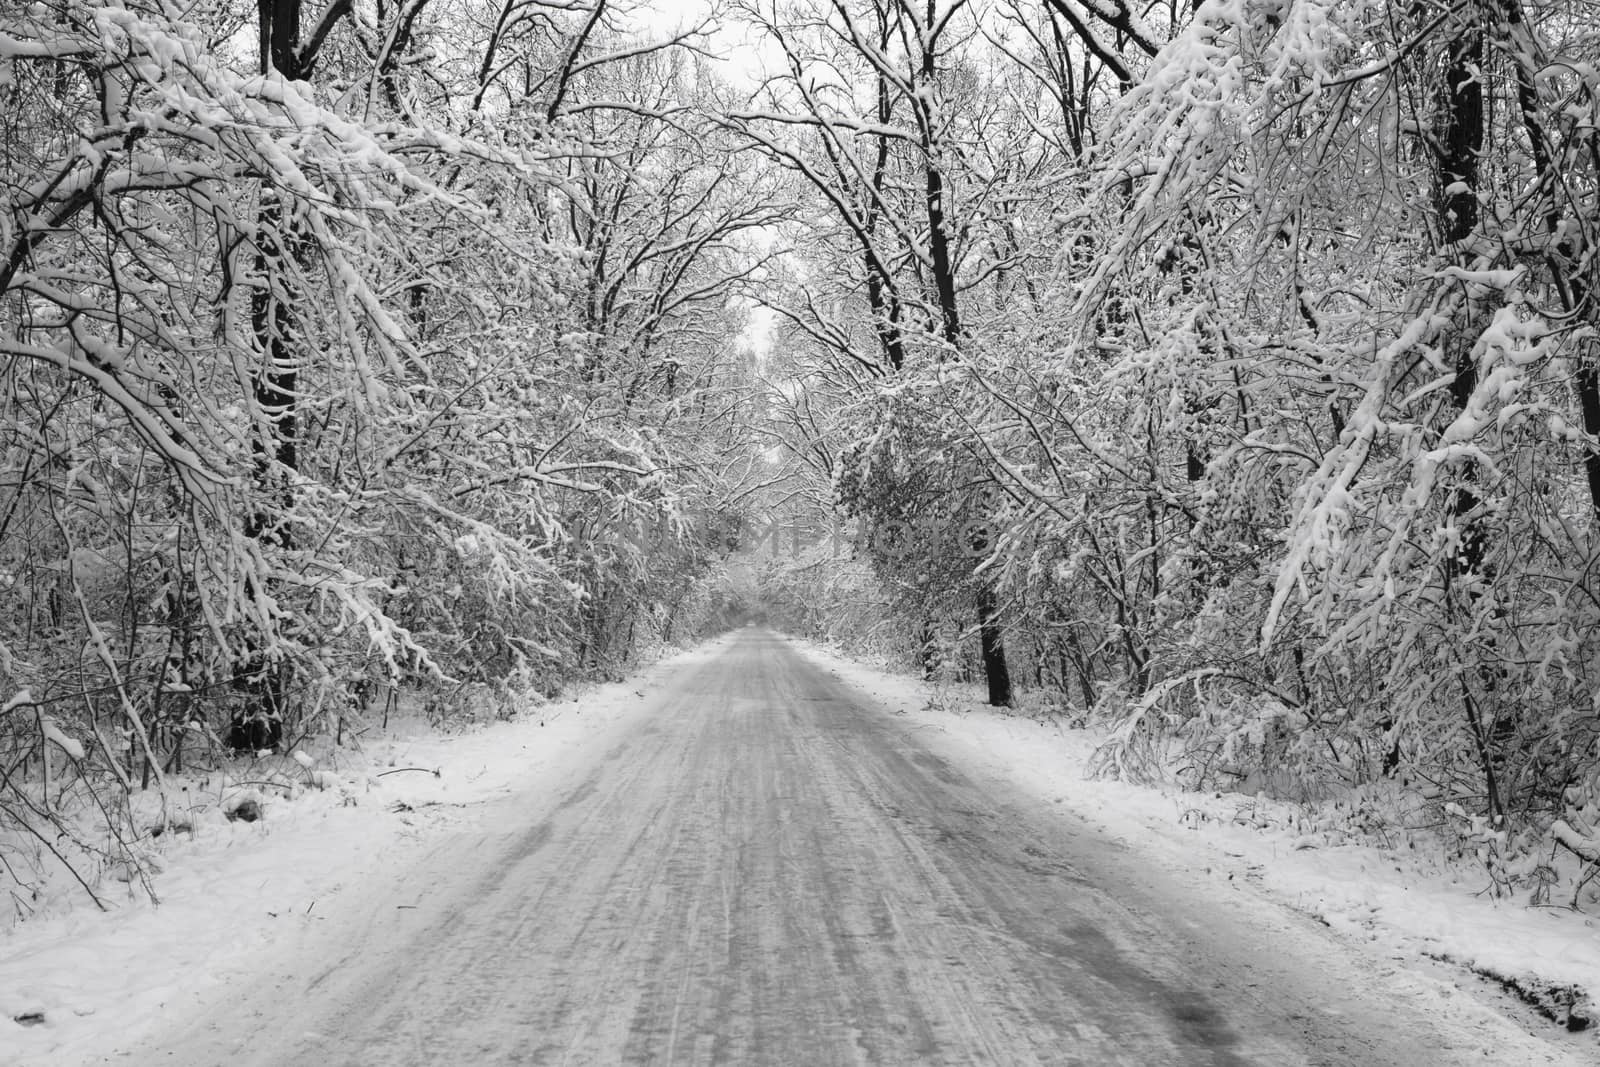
(885, 315)
(1567, 261)
(994, 651)
(277, 383)
(1461, 140)
(1589, 398)
(280, 259)
(271, 305)
(928, 650)
(944, 278)
(881, 296)
(1460, 145)
(1456, 170)
(944, 281)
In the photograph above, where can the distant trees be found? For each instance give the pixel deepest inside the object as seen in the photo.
(883, 113)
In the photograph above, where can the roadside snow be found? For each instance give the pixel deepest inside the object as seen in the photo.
(1405, 900)
(233, 892)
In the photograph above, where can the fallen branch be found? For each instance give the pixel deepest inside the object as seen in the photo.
(398, 770)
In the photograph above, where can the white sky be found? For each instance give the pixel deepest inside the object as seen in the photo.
(740, 60)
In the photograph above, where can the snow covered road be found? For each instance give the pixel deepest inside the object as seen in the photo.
(764, 867)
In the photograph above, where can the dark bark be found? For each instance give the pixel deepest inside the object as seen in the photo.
(881, 296)
(1488, 757)
(1119, 17)
(994, 650)
(400, 41)
(944, 278)
(1461, 140)
(1082, 661)
(944, 282)
(277, 384)
(1588, 381)
(885, 317)
(1567, 260)
(928, 650)
(1460, 145)
(281, 47)
(281, 255)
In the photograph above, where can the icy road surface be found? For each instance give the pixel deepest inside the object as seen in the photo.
(763, 867)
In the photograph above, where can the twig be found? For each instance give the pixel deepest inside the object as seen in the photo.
(45, 841)
(398, 770)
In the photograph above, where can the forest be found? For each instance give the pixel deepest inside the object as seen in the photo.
(1225, 374)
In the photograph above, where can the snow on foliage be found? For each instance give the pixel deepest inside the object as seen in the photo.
(294, 412)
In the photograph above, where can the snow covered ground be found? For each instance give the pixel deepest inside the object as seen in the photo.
(1408, 902)
(234, 894)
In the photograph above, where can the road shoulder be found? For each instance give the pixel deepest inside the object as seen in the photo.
(1399, 913)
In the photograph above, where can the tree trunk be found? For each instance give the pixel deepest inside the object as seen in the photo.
(1460, 144)
(1589, 397)
(944, 280)
(279, 251)
(994, 651)
(928, 650)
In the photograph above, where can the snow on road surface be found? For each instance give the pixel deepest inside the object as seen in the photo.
(1390, 887)
(756, 863)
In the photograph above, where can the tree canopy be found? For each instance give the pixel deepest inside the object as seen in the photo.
(1229, 371)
